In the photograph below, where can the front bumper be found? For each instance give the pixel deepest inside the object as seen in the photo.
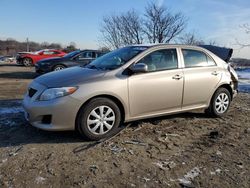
(234, 86)
(53, 115)
(235, 93)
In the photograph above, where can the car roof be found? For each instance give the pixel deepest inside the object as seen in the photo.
(221, 52)
(86, 50)
(170, 45)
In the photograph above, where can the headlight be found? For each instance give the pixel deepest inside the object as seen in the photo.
(53, 93)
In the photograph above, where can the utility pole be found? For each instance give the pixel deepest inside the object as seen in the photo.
(27, 44)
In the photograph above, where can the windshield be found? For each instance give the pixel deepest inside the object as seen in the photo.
(39, 51)
(71, 54)
(116, 58)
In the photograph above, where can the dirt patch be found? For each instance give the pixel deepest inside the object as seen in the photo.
(185, 150)
(14, 80)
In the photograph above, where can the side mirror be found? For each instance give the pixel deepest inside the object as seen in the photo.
(139, 68)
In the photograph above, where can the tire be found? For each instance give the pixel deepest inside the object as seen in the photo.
(27, 62)
(58, 67)
(220, 103)
(98, 119)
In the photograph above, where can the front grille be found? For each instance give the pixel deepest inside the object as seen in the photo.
(31, 92)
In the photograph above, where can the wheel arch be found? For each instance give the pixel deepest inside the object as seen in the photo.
(228, 87)
(223, 85)
(28, 57)
(61, 64)
(108, 96)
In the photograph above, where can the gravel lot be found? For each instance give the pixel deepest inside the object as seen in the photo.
(185, 150)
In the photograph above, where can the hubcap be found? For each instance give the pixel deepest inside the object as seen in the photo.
(222, 103)
(27, 62)
(59, 68)
(101, 120)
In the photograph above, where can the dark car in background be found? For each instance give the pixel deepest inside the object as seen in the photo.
(74, 58)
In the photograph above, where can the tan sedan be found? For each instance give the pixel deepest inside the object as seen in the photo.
(130, 83)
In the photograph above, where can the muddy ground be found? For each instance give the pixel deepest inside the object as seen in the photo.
(185, 150)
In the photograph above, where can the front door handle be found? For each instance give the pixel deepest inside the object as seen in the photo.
(215, 73)
(177, 77)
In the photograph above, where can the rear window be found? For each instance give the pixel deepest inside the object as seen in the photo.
(194, 58)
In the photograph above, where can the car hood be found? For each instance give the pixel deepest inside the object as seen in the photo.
(69, 77)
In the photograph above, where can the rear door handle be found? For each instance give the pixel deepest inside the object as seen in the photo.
(177, 77)
(215, 73)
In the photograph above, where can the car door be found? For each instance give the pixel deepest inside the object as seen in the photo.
(160, 89)
(201, 78)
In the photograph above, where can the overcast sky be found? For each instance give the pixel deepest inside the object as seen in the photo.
(63, 21)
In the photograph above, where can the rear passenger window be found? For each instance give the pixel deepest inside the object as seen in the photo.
(161, 60)
(194, 58)
(85, 55)
(55, 52)
(48, 52)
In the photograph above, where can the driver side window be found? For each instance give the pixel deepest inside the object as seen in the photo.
(161, 60)
(85, 55)
(48, 53)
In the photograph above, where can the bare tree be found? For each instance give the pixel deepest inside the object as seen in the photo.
(157, 25)
(45, 44)
(11, 46)
(71, 47)
(160, 25)
(121, 30)
(72, 44)
(246, 27)
(131, 26)
(104, 49)
(190, 39)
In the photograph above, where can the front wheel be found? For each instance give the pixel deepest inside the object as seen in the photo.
(27, 62)
(99, 119)
(220, 103)
(59, 67)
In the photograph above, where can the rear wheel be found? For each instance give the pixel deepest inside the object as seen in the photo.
(98, 119)
(27, 62)
(59, 67)
(220, 103)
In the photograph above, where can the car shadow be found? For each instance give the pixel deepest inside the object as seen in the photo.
(15, 131)
(184, 115)
(19, 75)
(23, 134)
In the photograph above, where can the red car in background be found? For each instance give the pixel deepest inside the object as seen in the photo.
(30, 58)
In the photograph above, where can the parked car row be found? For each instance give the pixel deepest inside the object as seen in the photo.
(54, 60)
(74, 58)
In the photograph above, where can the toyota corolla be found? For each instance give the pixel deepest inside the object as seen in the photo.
(131, 83)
